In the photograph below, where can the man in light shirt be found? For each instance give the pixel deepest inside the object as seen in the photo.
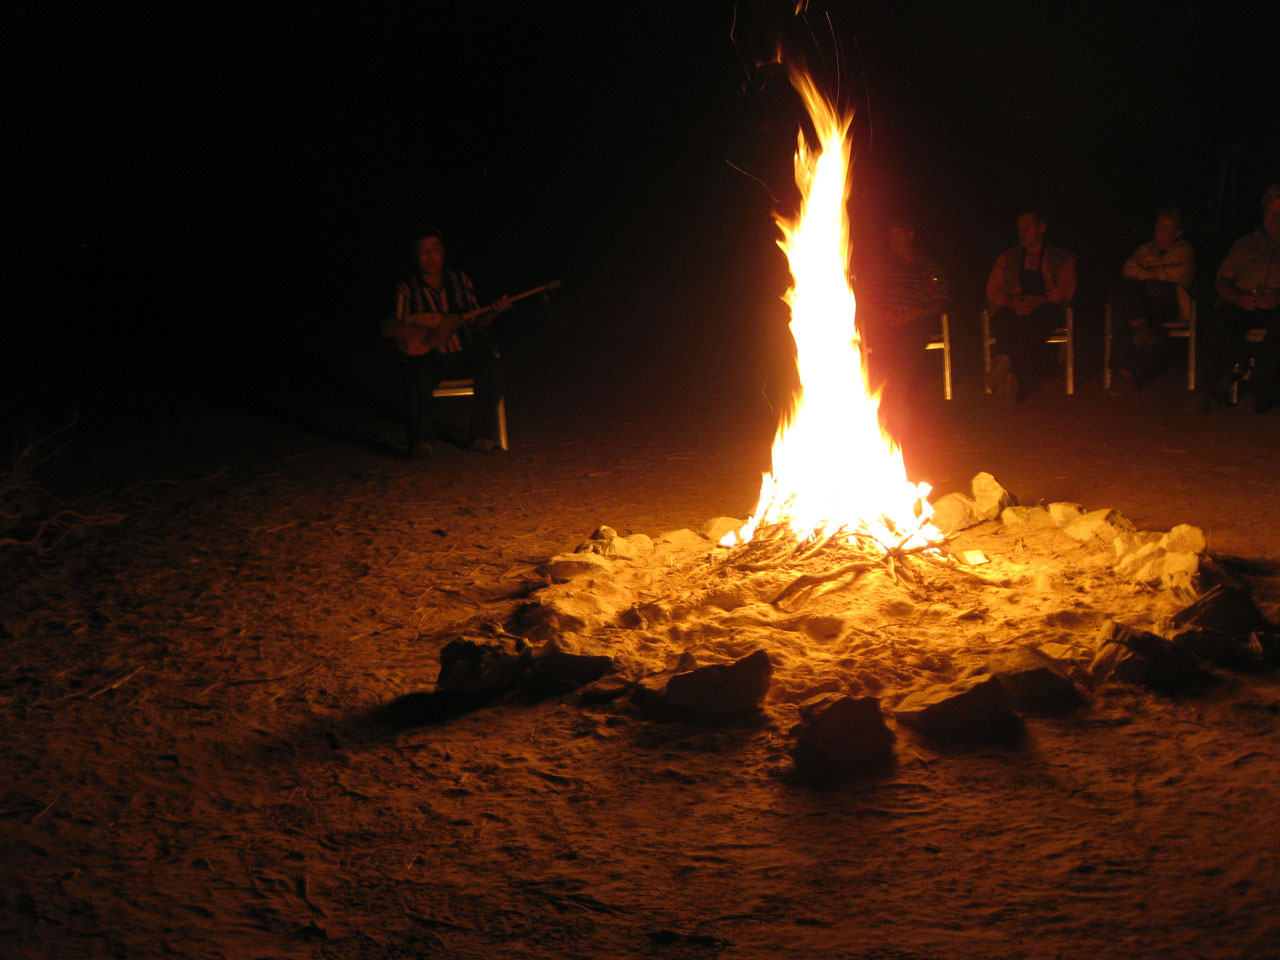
(1154, 289)
(1245, 343)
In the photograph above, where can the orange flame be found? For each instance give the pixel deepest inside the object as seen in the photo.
(834, 469)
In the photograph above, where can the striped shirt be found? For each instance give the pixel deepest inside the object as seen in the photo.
(898, 283)
(456, 295)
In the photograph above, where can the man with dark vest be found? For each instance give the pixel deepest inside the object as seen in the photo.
(1028, 291)
(433, 325)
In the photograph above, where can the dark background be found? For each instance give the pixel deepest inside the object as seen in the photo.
(213, 199)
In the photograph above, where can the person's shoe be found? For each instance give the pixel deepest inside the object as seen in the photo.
(485, 445)
(1123, 385)
(422, 449)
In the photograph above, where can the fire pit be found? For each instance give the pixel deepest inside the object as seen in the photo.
(846, 585)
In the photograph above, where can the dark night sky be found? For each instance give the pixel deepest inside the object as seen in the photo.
(197, 186)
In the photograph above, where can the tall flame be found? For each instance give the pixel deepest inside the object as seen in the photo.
(834, 469)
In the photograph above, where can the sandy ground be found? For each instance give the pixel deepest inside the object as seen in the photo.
(196, 764)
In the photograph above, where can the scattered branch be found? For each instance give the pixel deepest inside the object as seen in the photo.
(813, 579)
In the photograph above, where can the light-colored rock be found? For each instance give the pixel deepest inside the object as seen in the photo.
(989, 497)
(622, 548)
(641, 543)
(1135, 559)
(1184, 538)
(684, 539)
(1063, 512)
(1151, 563)
(717, 528)
(1026, 518)
(618, 547)
(1126, 543)
(1170, 568)
(570, 566)
(1105, 524)
(605, 542)
(955, 511)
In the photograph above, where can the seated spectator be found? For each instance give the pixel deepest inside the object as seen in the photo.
(1248, 287)
(1154, 289)
(433, 323)
(1028, 291)
(900, 301)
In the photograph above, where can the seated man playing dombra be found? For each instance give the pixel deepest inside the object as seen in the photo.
(1154, 289)
(1029, 289)
(433, 326)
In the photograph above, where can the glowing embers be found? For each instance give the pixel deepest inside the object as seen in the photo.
(835, 472)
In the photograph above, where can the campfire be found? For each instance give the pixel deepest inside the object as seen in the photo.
(837, 498)
(837, 476)
(846, 586)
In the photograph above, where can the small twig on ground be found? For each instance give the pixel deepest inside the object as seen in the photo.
(304, 891)
(47, 807)
(955, 568)
(246, 681)
(813, 579)
(72, 520)
(89, 694)
(818, 547)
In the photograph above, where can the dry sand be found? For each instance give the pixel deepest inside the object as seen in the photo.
(196, 765)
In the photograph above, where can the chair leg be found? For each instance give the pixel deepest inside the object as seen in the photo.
(1071, 351)
(502, 423)
(986, 351)
(1106, 348)
(946, 355)
(1191, 349)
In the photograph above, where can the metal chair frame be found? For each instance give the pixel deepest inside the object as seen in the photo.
(1065, 335)
(467, 388)
(1180, 329)
(943, 342)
